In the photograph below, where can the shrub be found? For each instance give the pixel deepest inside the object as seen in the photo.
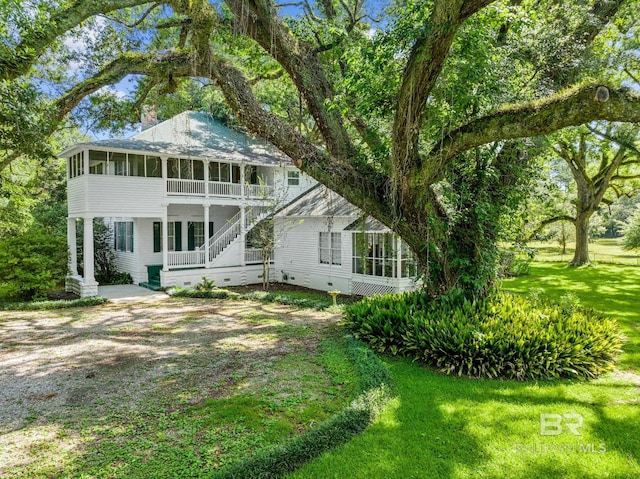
(58, 304)
(32, 264)
(500, 336)
(206, 285)
(117, 277)
(217, 293)
(515, 261)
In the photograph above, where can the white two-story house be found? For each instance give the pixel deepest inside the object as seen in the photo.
(181, 198)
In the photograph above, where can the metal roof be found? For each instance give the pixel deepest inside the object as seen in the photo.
(321, 201)
(368, 225)
(194, 135)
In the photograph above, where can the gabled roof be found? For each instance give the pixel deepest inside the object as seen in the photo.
(321, 201)
(194, 135)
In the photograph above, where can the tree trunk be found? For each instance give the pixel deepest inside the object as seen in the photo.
(581, 255)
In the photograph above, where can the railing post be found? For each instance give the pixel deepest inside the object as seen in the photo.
(242, 185)
(206, 179)
(243, 238)
(206, 234)
(165, 240)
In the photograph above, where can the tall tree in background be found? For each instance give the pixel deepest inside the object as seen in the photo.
(603, 167)
(411, 118)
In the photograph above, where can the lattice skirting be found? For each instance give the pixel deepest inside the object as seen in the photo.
(369, 289)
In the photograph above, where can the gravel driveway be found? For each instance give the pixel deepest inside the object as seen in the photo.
(56, 366)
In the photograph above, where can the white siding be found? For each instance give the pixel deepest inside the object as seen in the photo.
(76, 197)
(127, 262)
(228, 276)
(143, 239)
(286, 192)
(297, 258)
(125, 196)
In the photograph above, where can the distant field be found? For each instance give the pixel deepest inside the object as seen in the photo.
(603, 250)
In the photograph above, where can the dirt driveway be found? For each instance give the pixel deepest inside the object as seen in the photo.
(56, 366)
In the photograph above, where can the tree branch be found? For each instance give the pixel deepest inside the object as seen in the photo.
(258, 20)
(137, 22)
(549, 221)
(575, 107)
(423, 68)
(42, 34)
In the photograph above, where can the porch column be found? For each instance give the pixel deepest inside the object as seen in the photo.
(72, 245)
(165, 241)
(242, 182)
(89, 278)
(243, 233)
(85, 162)
(163, 159)
(206, 235)
(206, 179)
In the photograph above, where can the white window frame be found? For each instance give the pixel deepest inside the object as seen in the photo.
(293, 178)
(330, 248)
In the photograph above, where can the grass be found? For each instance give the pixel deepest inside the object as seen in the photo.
(268, 375)
(601, 250)
(301, 299)
(436, 426)
(444, 427)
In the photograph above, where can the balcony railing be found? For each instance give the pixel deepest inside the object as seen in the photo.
(180, 259)
(253, 255)
(234, 190)
(225, 189)
(185, 187)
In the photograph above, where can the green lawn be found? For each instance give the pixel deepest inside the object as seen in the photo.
(601, 250)
(443, 427)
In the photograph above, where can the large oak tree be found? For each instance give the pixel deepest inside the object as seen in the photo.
(417, 113)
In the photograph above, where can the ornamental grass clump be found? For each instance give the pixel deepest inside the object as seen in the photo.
(502, 335)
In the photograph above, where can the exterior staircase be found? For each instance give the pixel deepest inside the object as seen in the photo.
(231, 231)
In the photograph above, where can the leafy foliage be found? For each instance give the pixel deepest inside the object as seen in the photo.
(499, 336)
(631, 232)
(32, 264)
(214, 293)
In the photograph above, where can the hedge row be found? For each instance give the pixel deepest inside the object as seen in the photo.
(57, 304)
(376, 390)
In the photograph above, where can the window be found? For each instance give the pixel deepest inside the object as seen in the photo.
(123, 237)
(97, 162)
(76, 165)
(174, 236)
(136, 165)
(214, 171)
(293, 178)
(225, 173)
(154, 167)
(235, 174)
(125, 164)
(118, 163)
(330, 248)
(377, 254)
(195, 235)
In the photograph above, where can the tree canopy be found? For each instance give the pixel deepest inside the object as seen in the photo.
(417, 111)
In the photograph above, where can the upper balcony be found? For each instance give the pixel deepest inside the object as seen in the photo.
(108, 182)
(182, 176)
